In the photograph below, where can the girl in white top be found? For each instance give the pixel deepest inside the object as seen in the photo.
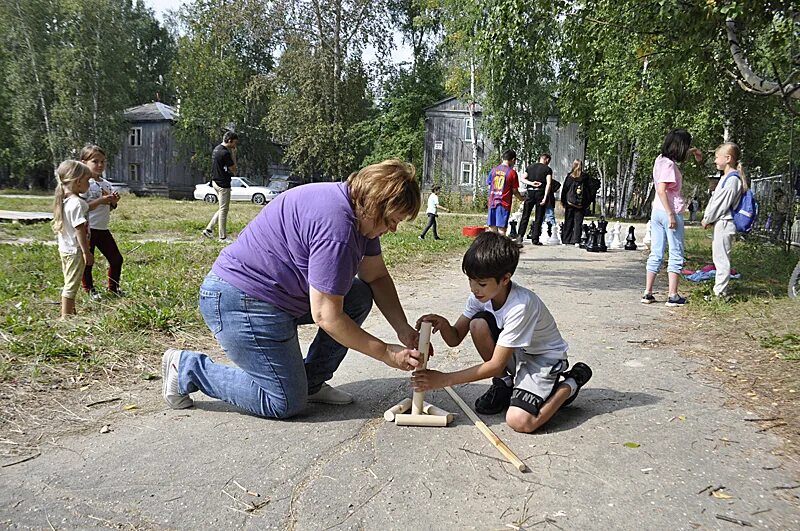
(432, 211)
(718, 211)
(102, 199)
(69, 222)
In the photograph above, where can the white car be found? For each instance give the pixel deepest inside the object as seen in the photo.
(241, 190)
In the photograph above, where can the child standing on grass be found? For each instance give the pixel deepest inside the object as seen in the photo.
(101, 198)
(516, 336)
(719, 211)
(69, 222)
(432, 211)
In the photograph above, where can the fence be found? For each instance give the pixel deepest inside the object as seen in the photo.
(778, 209)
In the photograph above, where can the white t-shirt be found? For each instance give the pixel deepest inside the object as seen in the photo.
(75, 209)
(433, 203)
(101, 215)
(525, 322)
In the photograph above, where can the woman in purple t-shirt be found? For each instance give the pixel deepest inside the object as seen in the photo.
(666, 220)
(296, 263)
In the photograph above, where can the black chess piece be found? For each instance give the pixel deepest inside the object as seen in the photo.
(561, 232)
(602, 224)
(513, 232)
(584, 236)
(591, 243)
(549, 230)
(630, 241)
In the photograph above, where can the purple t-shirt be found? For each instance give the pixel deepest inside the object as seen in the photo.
(306, 236)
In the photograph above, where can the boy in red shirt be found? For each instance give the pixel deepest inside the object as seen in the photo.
(503, 184)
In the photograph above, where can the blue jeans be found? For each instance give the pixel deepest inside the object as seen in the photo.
(661, 234)
(272, 379)
(550, 215)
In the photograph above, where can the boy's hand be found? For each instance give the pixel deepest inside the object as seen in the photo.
(437, 321)
(88, 258)
(402, 358)
(427, 380)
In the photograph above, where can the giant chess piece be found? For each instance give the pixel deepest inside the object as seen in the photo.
(630, 241)
(554, 237)
(513, 232)
(616, 236)
(561, 232)
(584, 236)
(647, 240)
(601, 228)
(592, 244)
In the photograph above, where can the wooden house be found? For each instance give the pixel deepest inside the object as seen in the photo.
(448, 146)
(151, 162)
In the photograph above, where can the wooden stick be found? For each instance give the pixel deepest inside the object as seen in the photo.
(404, 419)
(424, 343)
(500, 445)
(430, 409)
(401, 407)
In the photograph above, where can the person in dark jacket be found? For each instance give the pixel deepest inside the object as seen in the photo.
(574, 198)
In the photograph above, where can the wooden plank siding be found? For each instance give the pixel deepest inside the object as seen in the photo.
(445, 123)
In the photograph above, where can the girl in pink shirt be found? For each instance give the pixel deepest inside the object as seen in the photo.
(666, 220)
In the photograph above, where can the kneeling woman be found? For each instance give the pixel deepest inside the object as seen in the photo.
(296, 263)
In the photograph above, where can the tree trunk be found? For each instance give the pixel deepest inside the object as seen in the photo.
(473, 134)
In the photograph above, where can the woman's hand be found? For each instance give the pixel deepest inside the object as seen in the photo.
(697, 154)
(672, 222)
(399, 357)
(437, 321)
(408, 336)
(427, 380)
(88, 258)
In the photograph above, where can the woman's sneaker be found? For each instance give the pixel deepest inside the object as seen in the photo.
(648, 298)
(676, 300)
(581, 373)
(496, 399)
(169, 381)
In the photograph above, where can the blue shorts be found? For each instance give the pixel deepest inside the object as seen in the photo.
(498, 217)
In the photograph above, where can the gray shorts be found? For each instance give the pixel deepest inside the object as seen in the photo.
(535, 377)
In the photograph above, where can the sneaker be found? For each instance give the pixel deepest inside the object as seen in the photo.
(118, 293)
(676, 300)
(581, 373)
(207, 233)
(95, 295)
(537, 242)
(330, 395)
(496, 399)
(437, 238)
(648, 298)
(420, 237)
(169, 381)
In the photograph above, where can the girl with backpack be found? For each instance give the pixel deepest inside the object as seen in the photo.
(719, 212)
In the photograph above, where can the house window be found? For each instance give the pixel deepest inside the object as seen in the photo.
(134, 173)
(135, 137)
(468, 129)
(466, 172)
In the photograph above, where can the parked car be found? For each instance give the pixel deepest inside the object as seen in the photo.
(241, 190)
(120, 188)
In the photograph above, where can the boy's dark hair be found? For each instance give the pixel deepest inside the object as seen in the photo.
(229, 136)
(676, 145)
(491, 255)
(509, 155)
(436, 188)
(546, 155)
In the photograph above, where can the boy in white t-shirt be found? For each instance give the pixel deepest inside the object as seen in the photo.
(516, 336)
(432, 211)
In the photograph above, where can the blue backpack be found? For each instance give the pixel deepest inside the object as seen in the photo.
(745, 213)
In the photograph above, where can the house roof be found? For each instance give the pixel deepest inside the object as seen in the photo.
(461, 103)
(151, 112)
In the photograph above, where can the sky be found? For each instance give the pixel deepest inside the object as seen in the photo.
(402, 53)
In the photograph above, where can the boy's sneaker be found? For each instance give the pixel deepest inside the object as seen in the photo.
(676, 300)
(95, 295)
(207, 233)
(581, 373)
(648, 298)
(496, 399)
(169, 381)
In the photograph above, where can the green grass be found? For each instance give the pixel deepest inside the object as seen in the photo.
(161, 279)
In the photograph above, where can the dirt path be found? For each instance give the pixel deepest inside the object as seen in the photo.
(647, 445)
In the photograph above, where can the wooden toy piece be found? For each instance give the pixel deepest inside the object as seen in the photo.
(405, 419)
(401, 407)
(500, 445)
(424, 347)
(430, 409)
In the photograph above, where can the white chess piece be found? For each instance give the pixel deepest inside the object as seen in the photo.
(647, 237)
(616, 240)
(554, 238)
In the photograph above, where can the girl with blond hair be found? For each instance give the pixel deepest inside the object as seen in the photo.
(70, 224)
(718, 211)
(296, 263)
